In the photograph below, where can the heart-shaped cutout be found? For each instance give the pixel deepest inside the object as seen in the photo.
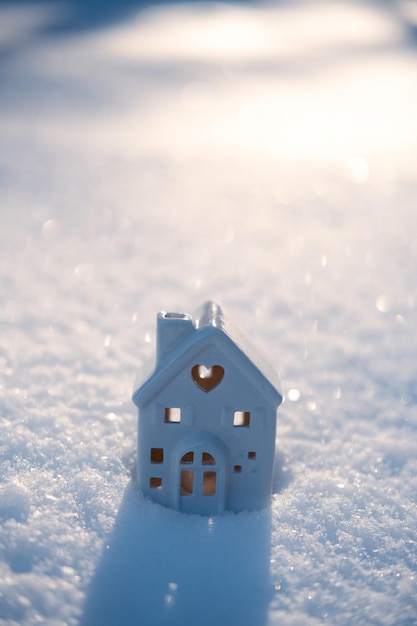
(207, 378)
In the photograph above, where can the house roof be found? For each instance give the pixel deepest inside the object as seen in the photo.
(209, 326)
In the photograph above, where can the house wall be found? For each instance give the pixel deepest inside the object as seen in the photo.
(249, 449)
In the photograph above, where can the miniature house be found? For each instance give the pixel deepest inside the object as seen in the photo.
(207, 418)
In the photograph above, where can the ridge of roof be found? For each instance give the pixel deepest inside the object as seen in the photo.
(212, 314)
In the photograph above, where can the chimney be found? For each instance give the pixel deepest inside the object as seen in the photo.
(172, 329)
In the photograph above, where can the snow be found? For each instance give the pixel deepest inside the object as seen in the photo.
(259, 154)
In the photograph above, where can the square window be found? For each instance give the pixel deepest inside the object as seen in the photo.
(157, 455)
(172, 415)
(155, 482)
(241, 418)
(252, 455)
(237, 469)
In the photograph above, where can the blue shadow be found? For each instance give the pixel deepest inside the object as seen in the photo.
(74, 16)
(161, 567)
(79, 15)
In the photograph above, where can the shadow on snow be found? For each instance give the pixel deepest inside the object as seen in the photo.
(161, 567)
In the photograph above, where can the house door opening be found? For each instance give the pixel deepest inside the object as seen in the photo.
(201, 478)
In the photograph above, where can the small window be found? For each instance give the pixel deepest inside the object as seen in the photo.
(187, 482)
(207, 378)
(172, 415)
(155, 482)
(241, 418)
(208, 459)
(157, 455)
(237, 469)
(188, 458)
(209, 483)
(252, 455)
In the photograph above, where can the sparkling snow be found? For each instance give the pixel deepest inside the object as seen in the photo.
(260, 154)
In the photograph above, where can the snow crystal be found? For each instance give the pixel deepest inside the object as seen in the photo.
(14, 502)
(260, 155)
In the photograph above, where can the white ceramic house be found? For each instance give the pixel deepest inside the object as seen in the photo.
(207, 418)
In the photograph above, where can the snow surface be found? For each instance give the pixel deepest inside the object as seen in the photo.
(261, 155)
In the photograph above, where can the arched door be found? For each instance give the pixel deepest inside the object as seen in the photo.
(201, 481)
